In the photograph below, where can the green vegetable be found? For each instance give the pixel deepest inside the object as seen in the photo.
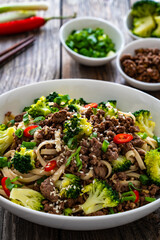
(14, 6)
(144, 8)
(128, 196)
(52, 96)
(67, 212)
(143, 122)
(76, 127)
(16, 16)
(3, 162)
(28, 145)
(72, 156)
(93, 135)
(100, 195)
(78, 162)
(24, 161)
(6, 139)
(157, 139)
(91, 43)
(69, 187)
(39, 181)
(149, 199)
(40, 108)
(156, 32)
(72, 143)
(27, 198)
(31, 132)
(121, 164)
(3, 127)
(152, 162)
(109, 108)
(142, 135)
(19, 132)
(10, 123)
(144, 179)
(144, 26)
(105, 145)
(62, 100)
(38, 119)
(26, 118)
(10, 183)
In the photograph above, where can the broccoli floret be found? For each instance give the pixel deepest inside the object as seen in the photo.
(100, 195)
(144, 8)
(121, 164)
(24, 161)
(27, 198)
(52, 96)
(143, 26)
(143, 122)
(152, 161)
(6, 139)
(76, 127)
(67, 211)
(109, 108)
(40, 108)
(69, 186)
(156, 32)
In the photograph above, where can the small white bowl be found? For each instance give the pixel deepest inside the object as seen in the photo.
(91, 22)
(130, 49)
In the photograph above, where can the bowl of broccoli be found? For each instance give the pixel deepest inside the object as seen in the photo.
(143, 20)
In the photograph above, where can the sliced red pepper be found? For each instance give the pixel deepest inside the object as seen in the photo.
(91, 105)
(122, 138)
(26, 131)
(137, 195)
(3, 183)
(50, 166)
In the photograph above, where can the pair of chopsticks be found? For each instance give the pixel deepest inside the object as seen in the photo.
(16, 49)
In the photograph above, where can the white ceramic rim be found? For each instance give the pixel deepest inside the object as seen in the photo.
(73, 218)
(133, 43)
(82, 56)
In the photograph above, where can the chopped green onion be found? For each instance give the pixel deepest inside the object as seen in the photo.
(130, 185)
(10, 123)
(28, 145)
(72, 156)
(111, 211)
(19, 132)
(16, 16)
(31, 132)
(23, 6)
(93, 135)
(105, 145)
(78, 162)
(26, 118)
(38, 119)
(150, 199)
(128, 196)
(72, 143)
(143, 135)
(67, 211)
(10, 185)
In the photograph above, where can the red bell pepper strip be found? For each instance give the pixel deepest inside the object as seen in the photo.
(26, 131)
(137, 195)
(50, 166)
(122, 138)
(91, 105)
(26, 25)
(3, 183)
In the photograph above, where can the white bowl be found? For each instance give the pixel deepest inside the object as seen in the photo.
(128, 99)
(91, 22)
(129, 49)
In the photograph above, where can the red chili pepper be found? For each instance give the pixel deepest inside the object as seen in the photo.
(137, 195)
(25, 25)
(91, 105)
(3, 183)
(26, 131)
(50, 166)
(122, 138)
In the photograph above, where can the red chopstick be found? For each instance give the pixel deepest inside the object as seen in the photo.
(16, 49)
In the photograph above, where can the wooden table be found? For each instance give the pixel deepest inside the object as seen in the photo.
(46, 59)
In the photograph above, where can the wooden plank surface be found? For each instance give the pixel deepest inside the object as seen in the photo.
(47, 60)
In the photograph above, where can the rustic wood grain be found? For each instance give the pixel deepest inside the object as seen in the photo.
(48, 60)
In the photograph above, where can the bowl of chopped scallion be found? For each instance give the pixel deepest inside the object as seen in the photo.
(91, 41)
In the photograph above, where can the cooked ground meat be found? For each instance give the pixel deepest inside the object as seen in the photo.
(48, 190)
